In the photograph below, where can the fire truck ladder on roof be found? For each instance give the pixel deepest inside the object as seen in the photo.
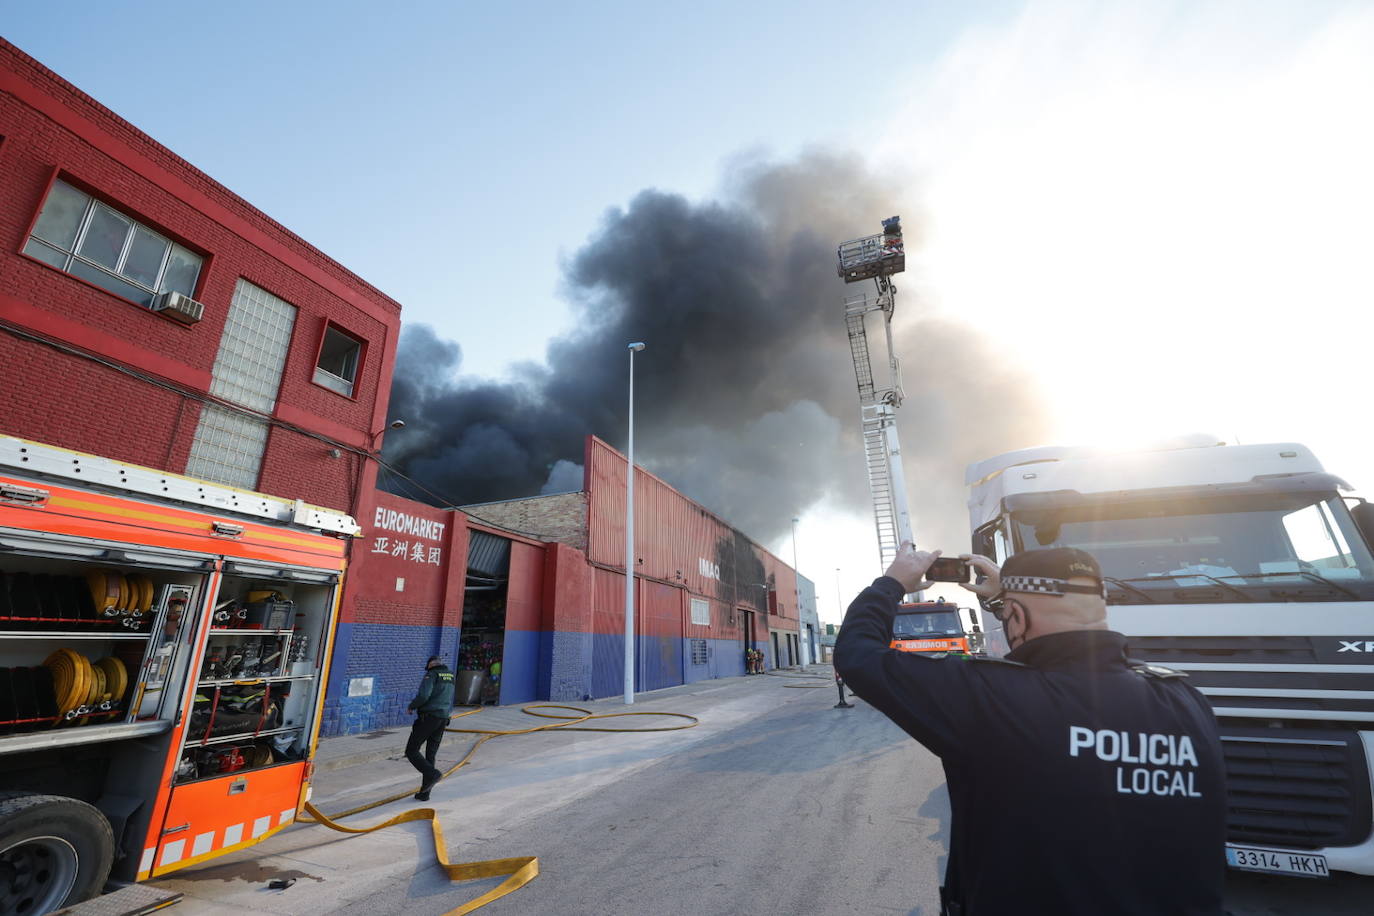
(50, 462)
(877, 257)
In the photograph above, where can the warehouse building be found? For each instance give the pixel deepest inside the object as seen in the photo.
(809, 624)
(542, 594)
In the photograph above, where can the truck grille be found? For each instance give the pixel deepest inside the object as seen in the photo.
(1298, 788)
(1237, 674)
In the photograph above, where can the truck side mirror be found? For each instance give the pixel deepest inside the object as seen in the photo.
(1363, 514)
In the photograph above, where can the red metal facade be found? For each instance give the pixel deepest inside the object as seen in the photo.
(679, 542)
(74, 352)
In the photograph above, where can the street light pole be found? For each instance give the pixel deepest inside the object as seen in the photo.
(796, 586)
(630, 537)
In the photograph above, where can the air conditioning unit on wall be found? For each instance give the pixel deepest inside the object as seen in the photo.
(179, 306)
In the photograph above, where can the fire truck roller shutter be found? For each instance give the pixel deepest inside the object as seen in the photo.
(57, 851)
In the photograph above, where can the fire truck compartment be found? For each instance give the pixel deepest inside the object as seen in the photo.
(256, 688)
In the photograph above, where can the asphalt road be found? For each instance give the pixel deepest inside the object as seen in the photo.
(778, 804)
(804, 809)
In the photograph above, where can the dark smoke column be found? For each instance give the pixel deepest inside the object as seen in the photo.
(749, 380)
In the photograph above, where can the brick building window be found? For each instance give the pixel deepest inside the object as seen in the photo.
(228, 446)
(337, 367)
(701, 612)
(88, 239)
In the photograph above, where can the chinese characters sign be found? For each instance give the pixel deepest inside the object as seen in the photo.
(409, 535)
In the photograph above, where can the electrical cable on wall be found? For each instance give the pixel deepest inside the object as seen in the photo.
(203, 398)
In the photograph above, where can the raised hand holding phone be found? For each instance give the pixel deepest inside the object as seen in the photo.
(910, 565)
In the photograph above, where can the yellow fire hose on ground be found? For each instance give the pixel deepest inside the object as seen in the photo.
(518, 871)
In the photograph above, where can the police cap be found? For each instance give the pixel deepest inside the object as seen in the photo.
(1047, 571)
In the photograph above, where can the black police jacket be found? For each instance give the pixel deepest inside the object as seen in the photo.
(1079, 782)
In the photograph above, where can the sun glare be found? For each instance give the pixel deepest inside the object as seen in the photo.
(1170, 234)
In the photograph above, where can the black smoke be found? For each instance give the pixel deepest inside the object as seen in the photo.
(746, 392)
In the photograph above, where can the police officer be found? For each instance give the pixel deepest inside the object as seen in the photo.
(432, 705)
(1080, 782)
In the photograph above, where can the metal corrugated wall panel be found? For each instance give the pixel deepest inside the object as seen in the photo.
(676, 540)
(608, 602)
(660, 635)
(608, 633)
(660, 609)
(489, 555)
(660, 662)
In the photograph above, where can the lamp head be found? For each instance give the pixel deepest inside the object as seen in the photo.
(637, 345)
(398, 424)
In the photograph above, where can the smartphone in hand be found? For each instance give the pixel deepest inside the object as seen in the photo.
(948, 569)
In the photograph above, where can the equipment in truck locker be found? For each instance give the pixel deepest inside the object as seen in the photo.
(183, 653)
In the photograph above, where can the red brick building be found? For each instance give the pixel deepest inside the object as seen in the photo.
(149, 314)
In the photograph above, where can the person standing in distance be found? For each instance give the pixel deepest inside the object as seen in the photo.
(432, 705)
(1080, 782)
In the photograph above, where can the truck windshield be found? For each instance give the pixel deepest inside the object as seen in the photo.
(931, 623)
(1282, 546)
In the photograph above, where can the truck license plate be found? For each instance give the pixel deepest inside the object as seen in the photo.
(1276, 861)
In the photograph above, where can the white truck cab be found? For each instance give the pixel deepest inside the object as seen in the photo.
(1246, 567)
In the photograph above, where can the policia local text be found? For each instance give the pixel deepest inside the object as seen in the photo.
(1140, 747)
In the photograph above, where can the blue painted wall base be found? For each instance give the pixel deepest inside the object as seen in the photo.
(536, 667)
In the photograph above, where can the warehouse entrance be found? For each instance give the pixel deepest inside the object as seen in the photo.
(482, 638)
(746, 632)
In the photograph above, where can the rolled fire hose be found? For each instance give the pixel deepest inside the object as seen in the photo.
(116, 677)
(518, 871)
(97, 691)
(104, 591)
(125, 593)
(143, 602)
(71, 679)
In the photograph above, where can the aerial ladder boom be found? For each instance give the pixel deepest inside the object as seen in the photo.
(877, 258)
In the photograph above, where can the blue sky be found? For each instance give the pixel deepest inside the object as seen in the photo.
(1159, 209)
(450, 153)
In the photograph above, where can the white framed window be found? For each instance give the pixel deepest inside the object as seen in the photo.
(337, 366)
(701, 612)
(228, 445)
(92, 240)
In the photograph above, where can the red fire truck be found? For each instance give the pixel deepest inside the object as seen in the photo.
(164, 644)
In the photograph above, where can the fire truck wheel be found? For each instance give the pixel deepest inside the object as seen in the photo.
(53, 851)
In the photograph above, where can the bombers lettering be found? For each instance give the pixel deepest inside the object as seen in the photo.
(391, 520)
(1158, 750)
